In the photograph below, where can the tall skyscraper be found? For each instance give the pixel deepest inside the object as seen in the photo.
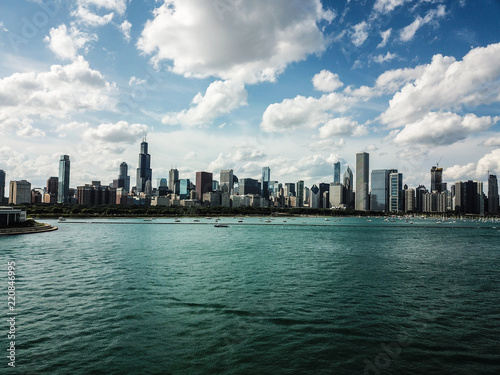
(173, 181)
(315, 201)
(436, 179)
(2, 186)
(144, 172)
(184, 188)
(203, 184)
(264, 182)
(226, 181)
(123, 177)
(396, 197)
(492, 194)
(336, 173)
(419, 198)
(379, 199)
(348, 184)
(63, 188)
(300, 194)
(362, 181)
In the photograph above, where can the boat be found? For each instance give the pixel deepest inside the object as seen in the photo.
(218, 225)
(196, 220)
(177, 221)
(240, 221)
(61, 219)
(326, 219)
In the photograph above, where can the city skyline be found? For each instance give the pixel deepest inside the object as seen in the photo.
(413, 83)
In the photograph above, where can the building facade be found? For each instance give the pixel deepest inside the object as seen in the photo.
(379, 198)
(362, 181)
(203, 184)
(19, 192)
(492, 195)
(63, 182)
(144, 171)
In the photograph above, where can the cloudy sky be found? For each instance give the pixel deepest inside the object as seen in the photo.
(291, 84)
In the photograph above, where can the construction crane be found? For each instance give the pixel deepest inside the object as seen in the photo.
(437, 164)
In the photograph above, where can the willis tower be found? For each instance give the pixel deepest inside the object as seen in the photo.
(144, 172)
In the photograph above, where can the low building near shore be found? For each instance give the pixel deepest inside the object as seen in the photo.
(11, 216)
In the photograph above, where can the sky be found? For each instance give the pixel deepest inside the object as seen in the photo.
(295, 85)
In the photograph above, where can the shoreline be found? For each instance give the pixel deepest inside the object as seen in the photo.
(11, 231)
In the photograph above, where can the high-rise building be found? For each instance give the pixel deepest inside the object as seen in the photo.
(264, 182)
(249, 186)
(184, 188)
(323, 188)
(226, 181)
(362, 181)
(419, 198)
(410, 200)
(336, 195)
(173, 181)
(396, 197)
(144, 172)
(2, 186)
(492, 194)
(468, 196)
(63, 188)
(437, 179)
(348, 184)
(300, 194)
(336, 173)
(203, 184)
(289, 189)
(123, 177)
(19, 192)
(315, 201)
(379, 199)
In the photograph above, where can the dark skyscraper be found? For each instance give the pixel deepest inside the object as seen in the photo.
(203, 184)
(436, 179)
(380, 190)
(123, 177)
(336, 173)
(492, 194)
(63, 188)
(144, 172)
(2, 185)
(264, 182)
(173, 181)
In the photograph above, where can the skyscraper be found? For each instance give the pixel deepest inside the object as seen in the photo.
(19, 192)
(226, 181)
(348, 183)
(203, 184)
(264, 182)
(436, 179)
(144, 172)
(396, 197)
(362, 181)
(492, 194)
(300, 194)
(63, 188)
(315, 201)
(336, 173)
(2, 185)
(123, 177)
(379, 199)
(173, 181)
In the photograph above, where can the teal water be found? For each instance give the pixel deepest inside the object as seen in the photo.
(305, 296)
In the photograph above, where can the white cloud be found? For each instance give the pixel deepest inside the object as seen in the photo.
(86, 17)
(87, 11)
(386, 6)
(385, 37)
(342, 126)
(443, 128)
(383, 58)
(221, 97)
(66, 43)
(120, 132)
(125, 28)
(408, 32)
(492, 142)
(251, 42)
(446, 84)
(489, 162)
(119, 6)
(57, 93)
(134, 81)
(246, 159)
(305, 113)
(2, 27)
(328, 145)
(326, 81)
(359, 33)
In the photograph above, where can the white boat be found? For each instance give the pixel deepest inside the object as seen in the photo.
(218, 225)
(61, 219)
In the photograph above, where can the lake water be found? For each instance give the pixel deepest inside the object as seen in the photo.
(305, 296)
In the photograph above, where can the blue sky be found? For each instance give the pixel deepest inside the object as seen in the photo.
(218, 84)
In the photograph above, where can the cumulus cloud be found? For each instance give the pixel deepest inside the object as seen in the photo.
(119, 132)
(408, 32)
(447, 84)
(489, 162)
(342, 126)
(385, 38)
(87, 11)
(492, 142)
(251, 42)
(57, 93)
(125, 28)
(221, 97)
(66, 43)
(383, 58)
(386, 6)
(246, 159)
(326, 81)
(359, 33)
(443, 128)
(328, 145)
(305, 113)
